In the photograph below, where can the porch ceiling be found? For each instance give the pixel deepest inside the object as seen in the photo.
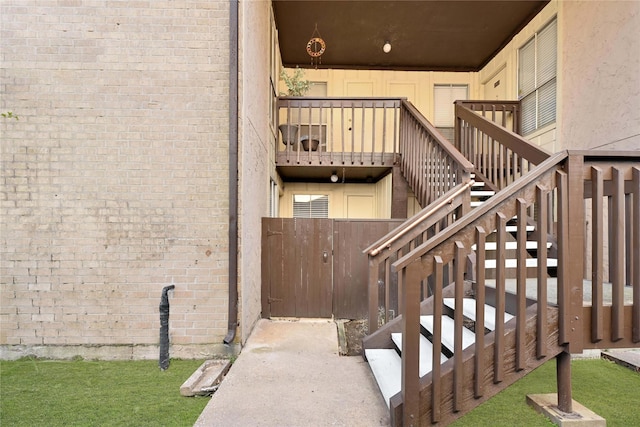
(424, 35)
(322, 174)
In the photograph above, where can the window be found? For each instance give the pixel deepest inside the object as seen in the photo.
(537, 61)
(310, 206)
(444, 114)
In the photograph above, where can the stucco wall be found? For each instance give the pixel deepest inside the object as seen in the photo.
(599, 100)
(254, 155)
(114, 178)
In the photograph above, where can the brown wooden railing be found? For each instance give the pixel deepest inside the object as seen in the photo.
(385, 286)
(347, 131)
(371, 132)
(499, 154)
(430, 163)
(560, 321)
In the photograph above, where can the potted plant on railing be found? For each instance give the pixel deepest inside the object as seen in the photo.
(297, 85)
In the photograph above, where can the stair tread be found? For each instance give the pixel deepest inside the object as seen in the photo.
(482, 193)
(492, 246)
(514, 228)
(426, 352)
(448, 327)
(469, 311)
(386, 366)
(513, 263)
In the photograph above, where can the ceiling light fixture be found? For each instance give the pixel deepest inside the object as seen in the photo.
(387, 47)
(334, 177)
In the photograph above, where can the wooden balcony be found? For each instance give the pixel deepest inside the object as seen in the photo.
(355, 138)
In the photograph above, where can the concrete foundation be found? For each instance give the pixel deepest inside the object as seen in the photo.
(547, 404)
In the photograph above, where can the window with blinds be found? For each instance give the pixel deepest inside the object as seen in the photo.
(537, 61)
(443, 111)
(310, 206)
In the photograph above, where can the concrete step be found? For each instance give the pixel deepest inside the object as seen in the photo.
(469, 311)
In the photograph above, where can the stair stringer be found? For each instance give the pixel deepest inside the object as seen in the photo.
(469, 400)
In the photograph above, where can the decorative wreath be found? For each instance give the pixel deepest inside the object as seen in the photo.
(312, 47)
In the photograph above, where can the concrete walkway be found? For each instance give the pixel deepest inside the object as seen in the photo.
(290, 374)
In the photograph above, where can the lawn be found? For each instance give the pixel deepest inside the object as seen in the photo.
(609, 390)
(89, 393)
(92, 393)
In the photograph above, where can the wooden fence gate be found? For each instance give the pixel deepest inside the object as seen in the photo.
(316, 268)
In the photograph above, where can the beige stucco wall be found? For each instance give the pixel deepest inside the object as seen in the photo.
(114, 179)
(356, 201)
(416, 86)
(256, 164)
(599, 102)
(504, 67)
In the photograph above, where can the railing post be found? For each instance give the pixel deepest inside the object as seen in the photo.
(571, 277)
(411, 345)
(574, 276)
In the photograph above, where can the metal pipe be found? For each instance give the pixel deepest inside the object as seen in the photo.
(233, 173)
(163, 361)
(421, 218)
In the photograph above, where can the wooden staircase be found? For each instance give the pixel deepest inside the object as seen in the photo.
(443, 403)
(477, 319)
(459, 304)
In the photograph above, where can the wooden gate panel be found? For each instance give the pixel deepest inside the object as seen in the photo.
(314, 287)
(296, 278)
(315, 267)
(351, 266)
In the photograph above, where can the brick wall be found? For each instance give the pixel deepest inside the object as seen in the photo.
(114, 178)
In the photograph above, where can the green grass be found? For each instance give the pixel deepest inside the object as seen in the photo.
(609, 390)
(91, 393)
(83, 393)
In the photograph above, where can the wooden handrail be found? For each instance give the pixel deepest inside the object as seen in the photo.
(386, 241)
(511, 140)
(477, 213)
(446, 145)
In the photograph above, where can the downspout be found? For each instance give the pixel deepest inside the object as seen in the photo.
(233, 172)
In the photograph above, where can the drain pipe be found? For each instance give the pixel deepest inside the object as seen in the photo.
(164, 328)
(233, 172)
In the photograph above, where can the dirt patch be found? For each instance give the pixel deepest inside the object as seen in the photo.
(354, 331)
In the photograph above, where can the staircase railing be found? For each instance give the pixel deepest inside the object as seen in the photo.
(499, 154)
(440, 178)
(558, 324)
(385, 286)
(430, 163)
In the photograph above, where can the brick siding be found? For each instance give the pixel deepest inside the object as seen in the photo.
(114, 179)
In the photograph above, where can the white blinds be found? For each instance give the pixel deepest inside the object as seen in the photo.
(537, 64)
(526, 69)
(547, 54)
(443, 96)
(310, 206)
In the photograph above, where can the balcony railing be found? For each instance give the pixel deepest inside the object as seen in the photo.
(370, 132)
(338, 131)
